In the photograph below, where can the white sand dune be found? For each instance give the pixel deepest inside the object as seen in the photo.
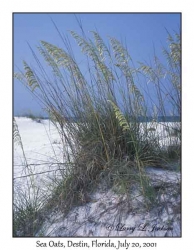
(44, 155)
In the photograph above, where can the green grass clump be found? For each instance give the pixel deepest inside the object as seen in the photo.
(27, 214)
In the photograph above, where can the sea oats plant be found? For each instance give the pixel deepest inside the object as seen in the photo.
(106, 103)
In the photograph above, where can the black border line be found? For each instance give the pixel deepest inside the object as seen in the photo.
(82, 237)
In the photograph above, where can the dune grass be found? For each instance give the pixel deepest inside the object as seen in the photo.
(106, 142)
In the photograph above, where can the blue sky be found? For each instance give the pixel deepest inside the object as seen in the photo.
(142, 33)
